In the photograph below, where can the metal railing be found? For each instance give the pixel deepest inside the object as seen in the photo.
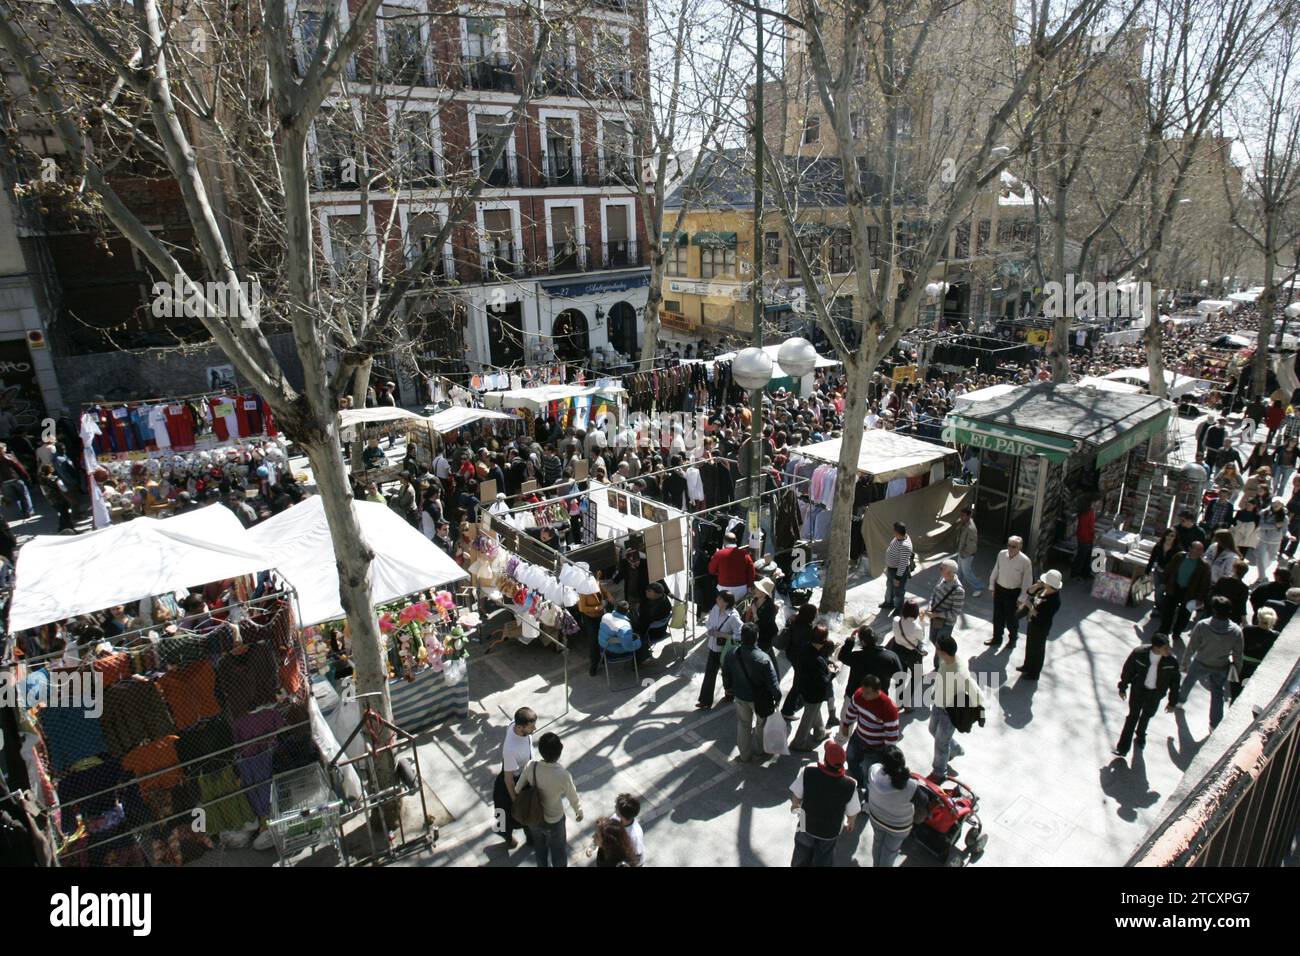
(568, 257)
(621, 253)
(557, 79)
(555, 173)
(488, 73)
(503, 175)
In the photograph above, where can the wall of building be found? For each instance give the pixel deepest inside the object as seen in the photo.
(154, 373)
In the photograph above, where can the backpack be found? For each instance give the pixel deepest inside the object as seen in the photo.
(527, 808)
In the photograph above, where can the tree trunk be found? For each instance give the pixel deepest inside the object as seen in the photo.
(352, 558)
(1060, 347)
(1154, 341)
(360, 383)
(835, 581)
(654, 295)
(1266, 301)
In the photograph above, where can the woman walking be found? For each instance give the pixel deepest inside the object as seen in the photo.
(1272, 529)
(792, 638)
(723, 628)
(1222, 555)
(554, 785)
(1166, 547)
(1044, 602)
(815, 675)
(908, 637)
(893, 793)
(516, 752)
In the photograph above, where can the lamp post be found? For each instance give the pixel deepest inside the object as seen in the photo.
(758, 365)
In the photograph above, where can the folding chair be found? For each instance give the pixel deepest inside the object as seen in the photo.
(619, 657)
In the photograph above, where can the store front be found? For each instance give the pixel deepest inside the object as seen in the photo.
(1043, 448)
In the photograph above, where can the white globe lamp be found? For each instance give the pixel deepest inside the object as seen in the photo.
(752, 368)
(1293, 310)
(797, 357)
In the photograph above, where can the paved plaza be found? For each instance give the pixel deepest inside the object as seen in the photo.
(1051, 792)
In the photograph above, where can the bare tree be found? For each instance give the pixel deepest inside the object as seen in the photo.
(231, 121)
(893, 66)
(1266, 117)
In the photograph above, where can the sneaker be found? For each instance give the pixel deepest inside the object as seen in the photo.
(935, 778)
(264, 840)
(701, 705)
(1119, 753)
(977, 594)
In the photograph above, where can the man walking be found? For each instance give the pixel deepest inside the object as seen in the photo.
(1187, 581)
(872, 719)
(898, 568)
(826, 799)
(749, 675)
(1214, 651)
(956, 706)
(968, 544)
(946, 601)
(1151, 672)
(1012, 575)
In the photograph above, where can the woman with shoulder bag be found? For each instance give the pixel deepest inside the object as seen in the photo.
(906, 641)
(789, 641)
(1044, 602)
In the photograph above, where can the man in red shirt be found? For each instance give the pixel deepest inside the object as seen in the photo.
(733, 567)
(1085, 533)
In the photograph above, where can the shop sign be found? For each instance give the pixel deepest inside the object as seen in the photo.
(721, 290)
(1005, 441)
(578, 290)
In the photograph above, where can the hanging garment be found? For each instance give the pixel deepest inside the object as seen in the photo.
(225, 423)
(134, 712)
(896, 487)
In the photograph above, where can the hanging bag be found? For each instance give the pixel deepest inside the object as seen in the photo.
(527, 808)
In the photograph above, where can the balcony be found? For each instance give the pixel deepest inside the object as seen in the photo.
(439, 271)
(557, 79)
(502, 260)
(617, 171)
(622, 254)
(480, 73)
(616, 84)
(406, 70)
(555, 171)
(569, 257)
(613, 4)
(504, 175)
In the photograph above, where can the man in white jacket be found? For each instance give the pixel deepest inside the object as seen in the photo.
(1012, 575)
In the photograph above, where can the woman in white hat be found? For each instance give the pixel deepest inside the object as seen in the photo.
(1044, 602)
(762, 611)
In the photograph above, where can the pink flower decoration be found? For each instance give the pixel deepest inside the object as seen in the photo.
(386, 623)
(414, 612)
(445, 600)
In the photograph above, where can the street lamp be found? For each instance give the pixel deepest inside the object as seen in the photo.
(752, 368)
(797, 357)
(1293, 310)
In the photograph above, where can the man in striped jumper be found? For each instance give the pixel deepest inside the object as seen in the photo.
(946, 601)
(898, 568)
(872, 719)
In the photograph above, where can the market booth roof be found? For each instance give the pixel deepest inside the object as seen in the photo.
(369, 416)
(1055, 421)
(298, 541)
(450, 419)
(885, 455)
(61, 576)
(539, 397)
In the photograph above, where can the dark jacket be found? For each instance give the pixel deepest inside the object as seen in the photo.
(872, 659)
(765, 618)
(795, 636)
(1236, 591)
(746, 666)
(1045, 608)
(1134, 673)
(1272, 591)
(1199, 586)
(813, 676)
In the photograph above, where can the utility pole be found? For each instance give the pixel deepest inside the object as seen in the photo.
(756, 254)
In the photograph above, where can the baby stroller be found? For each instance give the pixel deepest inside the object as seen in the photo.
(939, 827)
(803, 583)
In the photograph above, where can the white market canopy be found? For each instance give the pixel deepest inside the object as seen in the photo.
(349, 417)
(1109, 385)
(983, 394)
(450, 419)
(298, 541)
(61, 576)
(885, 455)
(777, 371)
(1176, 385)
(537, 398)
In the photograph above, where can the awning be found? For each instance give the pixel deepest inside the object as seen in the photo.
(299, 540)
(1132, 439)
(370, 416)
(884, 455)
(1006, 440)
(450, 419)
(61, 576)
(715, 240)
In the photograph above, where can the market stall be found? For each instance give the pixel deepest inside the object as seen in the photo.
(900, 479)
(579, 406)
(1043, 446)
(157, 745)
(801, 387)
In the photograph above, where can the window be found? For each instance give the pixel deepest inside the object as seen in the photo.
(556, 73)
(903, 123)
(609, 64)
(479, 34)
(812, 132)
(558, 160)
(811, 244)
(716, 261)
(841, 251)
(873, 241)
(772, 249)
(403, 46)
(673, 305)
(858, 124)
(487, 63)
(982, 237)
(422, 231)
(491, 130)
(309, 27)
(619, 248)
(961, 248)
(335, 155)
(347, 251)
(676, 260)
(417, 155)
(616, 151)
(498, 228)
(841, 313)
